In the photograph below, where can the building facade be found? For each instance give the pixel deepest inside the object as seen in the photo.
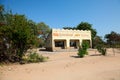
(67, 39)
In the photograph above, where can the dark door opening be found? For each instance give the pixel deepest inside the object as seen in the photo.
(60, 44)
(73, 43)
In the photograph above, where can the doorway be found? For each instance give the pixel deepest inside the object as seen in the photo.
(60, 44)
(74, 44)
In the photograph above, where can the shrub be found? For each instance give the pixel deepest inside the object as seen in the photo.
(101, 49)
(85, 45)
(17, 35)
(34, 57)
(83, 51)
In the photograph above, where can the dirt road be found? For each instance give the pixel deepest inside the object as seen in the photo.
(66, 66)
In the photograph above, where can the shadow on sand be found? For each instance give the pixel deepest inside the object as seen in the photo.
(43, 49)
(88, 55)
(75, 56)
(95, 55)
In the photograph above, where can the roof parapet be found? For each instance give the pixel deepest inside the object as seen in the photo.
(68, 30)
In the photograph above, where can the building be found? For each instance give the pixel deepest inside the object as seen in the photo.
(67, 39)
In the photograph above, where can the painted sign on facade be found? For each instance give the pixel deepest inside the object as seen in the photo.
(55, 34)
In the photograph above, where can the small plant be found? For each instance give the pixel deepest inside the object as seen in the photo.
(34, 57)
(83, 50)
(81, 53)
(1, 64)
(101, 49)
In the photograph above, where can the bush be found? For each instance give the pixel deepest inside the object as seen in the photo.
(101, 49)
(83, 51)
(17, 35)
(34, 58)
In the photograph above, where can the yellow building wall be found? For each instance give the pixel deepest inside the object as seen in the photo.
(67, 35)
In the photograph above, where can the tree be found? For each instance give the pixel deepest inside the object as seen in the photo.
(19, 35)
(33, 27)
(1, 14)
(113, 39)
(69, 28)
(16, 36)
(98, 41)
(43, 32)
(2, 40)
(87, 26)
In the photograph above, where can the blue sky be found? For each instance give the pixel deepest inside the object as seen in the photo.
(104, 15)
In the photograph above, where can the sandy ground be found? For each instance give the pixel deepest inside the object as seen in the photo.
(66, 66)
